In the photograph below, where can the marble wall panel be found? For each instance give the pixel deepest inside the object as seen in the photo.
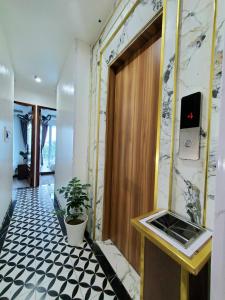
(194, 64)
(193, 75)
(216, 102)
(166, 106)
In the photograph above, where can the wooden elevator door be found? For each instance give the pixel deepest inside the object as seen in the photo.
(133, 146)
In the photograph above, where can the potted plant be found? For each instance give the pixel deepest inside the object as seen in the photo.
(75, 216)
(24, 156)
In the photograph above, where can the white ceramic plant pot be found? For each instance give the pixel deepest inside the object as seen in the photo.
(75, 233)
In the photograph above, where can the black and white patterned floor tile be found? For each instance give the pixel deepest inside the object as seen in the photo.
(36, 262)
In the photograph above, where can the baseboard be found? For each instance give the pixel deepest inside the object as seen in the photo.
(6, 222)
(47, 173)
(57, 206)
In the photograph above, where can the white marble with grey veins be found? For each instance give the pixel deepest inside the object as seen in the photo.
(193, 75)
(216, 100)
(166, 110)
(127, 275)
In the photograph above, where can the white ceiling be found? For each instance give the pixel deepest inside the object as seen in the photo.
(40, 32)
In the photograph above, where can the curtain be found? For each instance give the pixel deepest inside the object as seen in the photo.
(24, 121)
(43, 139)
(24, 125)
(44, 124)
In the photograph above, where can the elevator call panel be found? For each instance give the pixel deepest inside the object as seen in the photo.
(189, 141)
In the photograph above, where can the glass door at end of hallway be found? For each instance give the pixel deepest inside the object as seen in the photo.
(47, 145)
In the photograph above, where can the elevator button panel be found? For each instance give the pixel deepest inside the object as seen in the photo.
(189, 140)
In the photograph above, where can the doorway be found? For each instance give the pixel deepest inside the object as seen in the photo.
(46, 145)
(131, 140)
(23, 145)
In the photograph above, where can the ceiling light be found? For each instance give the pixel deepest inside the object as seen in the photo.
(4, 70)
(37, 79)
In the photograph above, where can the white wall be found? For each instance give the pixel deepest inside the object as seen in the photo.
(72, 116)
(64, 123)
(6, 121)
(34, 96)
(81, 116)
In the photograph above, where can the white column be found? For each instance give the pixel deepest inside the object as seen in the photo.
(73, 117)
(218, 251)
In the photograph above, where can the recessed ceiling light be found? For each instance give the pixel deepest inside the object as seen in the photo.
(37, 79)
(4, 70)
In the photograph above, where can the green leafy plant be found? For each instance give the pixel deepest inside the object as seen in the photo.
(25, 156)
(77, 199)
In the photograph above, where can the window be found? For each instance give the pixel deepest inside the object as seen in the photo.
(48, 151)
(29, 142)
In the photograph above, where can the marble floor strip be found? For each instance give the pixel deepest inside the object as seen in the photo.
(124, 271)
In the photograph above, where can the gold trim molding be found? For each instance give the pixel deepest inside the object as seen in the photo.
(162, 55)
(209, 113)
(184, 285)
(142, 267)
(170, 200)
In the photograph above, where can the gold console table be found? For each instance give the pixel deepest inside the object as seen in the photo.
(168, 274)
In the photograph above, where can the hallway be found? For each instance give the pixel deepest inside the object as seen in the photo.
(112, 111)
(36, 262)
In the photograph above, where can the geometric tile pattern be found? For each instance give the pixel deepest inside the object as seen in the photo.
(37, 263)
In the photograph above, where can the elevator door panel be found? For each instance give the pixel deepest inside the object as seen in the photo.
(134, 146)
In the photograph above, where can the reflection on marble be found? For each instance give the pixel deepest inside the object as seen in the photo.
(124, 271)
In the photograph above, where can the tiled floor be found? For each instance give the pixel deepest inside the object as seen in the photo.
(20, 183)
(36, 262)
(47, 179)
(44, 179)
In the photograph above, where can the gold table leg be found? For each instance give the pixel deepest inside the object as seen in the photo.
(142, 266)
(184, 285)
